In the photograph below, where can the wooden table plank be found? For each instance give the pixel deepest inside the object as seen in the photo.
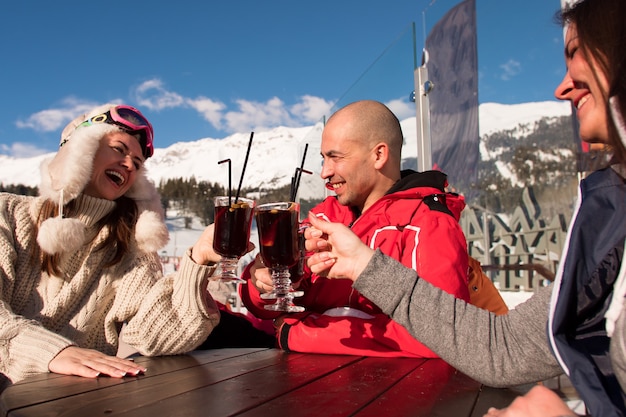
(432, 389)
(342, 392)
(497, 397)
(44, 387)
(166, 376)
(261, 382)
(248, 390)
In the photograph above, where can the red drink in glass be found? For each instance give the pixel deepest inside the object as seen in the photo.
(232, 229)
(278, 235)
(277, 224)
(296, 271)
(231, 235)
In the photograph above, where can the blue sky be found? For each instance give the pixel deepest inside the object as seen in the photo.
(212, 68)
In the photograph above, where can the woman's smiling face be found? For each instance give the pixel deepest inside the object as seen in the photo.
(115, 166)
(585, 85)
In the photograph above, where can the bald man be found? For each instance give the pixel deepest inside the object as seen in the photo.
(406, 214)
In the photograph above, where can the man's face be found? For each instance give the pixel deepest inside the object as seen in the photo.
(348, 165)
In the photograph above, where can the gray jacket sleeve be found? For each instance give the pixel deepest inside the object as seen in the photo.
(498, 351)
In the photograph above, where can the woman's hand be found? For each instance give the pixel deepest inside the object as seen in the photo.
(90, 363)
(538, 402)
(339, 252)
(202, 252)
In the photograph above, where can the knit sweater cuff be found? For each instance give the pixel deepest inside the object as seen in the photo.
(35, 349)
(190, 286)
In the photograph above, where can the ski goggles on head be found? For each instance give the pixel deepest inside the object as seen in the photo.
(132, 121)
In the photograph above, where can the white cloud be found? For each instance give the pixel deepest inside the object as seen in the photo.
(152, 95)
(310, 109)
(256, 115)
(248, 115)
(510, 69)
(209, 109)
(54, 119)
(22, 150)
(402, 108)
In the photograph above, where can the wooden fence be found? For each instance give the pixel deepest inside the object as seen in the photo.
(518, 251)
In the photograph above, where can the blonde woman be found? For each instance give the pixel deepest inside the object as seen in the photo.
(80, 260)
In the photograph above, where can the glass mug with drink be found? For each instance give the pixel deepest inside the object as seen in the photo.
(277, 225)
(233, 219)
(296, 272)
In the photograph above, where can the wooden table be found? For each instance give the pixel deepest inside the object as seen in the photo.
(261, 382)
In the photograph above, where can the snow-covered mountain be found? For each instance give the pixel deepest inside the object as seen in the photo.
(275, 154)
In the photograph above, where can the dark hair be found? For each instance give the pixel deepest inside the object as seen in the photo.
(120, 222)
(601, 29)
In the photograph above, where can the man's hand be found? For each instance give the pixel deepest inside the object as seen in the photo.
(260, 276)
(90, 363)
(339, 252)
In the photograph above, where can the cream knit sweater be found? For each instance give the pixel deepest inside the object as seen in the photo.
(40, 315)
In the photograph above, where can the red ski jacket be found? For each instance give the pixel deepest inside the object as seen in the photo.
(416, 222)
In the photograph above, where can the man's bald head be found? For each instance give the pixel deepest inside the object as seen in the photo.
(361, 145)
(371, 122)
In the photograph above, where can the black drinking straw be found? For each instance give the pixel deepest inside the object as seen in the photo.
(296, 185)
(245, 162)
(230, 188)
